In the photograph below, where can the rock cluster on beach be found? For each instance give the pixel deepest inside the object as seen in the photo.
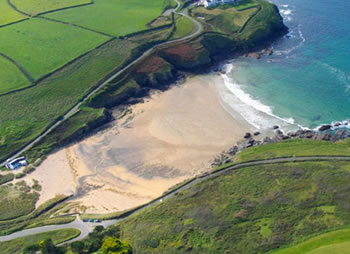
(323, 133)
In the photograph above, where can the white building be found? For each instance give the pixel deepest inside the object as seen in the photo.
(16, 163)
(212, 3)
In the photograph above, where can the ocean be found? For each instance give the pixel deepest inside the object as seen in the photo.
(306, 82)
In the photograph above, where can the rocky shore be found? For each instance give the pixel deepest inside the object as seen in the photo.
(324, 132)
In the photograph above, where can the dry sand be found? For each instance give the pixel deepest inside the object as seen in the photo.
(169, 138)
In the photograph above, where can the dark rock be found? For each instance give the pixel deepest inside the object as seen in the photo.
(233, 150)
(324, 136)
(337, 124)
(284, 137)
(340, 134)
(257, 133)
(324, 127)
(275, 127)
(247, 135)
(292, 134)
(267, 140)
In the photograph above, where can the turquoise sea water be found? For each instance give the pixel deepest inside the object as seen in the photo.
(307, 80)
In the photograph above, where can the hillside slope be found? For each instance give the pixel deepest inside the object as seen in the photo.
(251, 210)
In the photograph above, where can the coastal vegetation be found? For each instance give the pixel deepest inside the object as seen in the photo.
(19, 245)
(251, 210)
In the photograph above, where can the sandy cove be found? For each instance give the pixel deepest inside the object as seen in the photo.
(169, 138)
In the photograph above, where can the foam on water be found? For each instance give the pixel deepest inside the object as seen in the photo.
(253, 111)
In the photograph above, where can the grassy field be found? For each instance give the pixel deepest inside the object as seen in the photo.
(18, 245)
(54, 96)
(252, 210)
(10, 76)
(16, 200)
(34, 7)
(59, 44)
(335, 242)
(115, 17)
(184, 27)
(227, 20)
(8, 15)
(295, 147)
(246, 4)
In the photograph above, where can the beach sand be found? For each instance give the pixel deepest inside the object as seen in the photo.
(169, 138)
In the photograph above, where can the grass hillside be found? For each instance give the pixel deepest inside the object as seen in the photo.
(252, 210)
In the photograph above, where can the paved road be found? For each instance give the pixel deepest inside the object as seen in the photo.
(85, 228)
(75, 109)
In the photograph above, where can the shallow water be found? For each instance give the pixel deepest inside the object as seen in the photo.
(307, 80)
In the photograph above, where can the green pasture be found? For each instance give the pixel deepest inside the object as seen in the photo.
(228, 20)
(9, 15)
(115, 17)
(334, 242)
(42, 46)
(19, 244)
(10, 76)
(295, 147)
(32, 110)
(246, 4)
(184, 27)
(34, 7)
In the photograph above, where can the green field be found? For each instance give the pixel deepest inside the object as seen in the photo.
(8, 15)
(54, 96)
(183, 27)
(250, 210)
(336, 242)
(246, 4)
(59, 44)
(18, 245)
(34, 7)
(10, 76)
(227, 20)
(295, 147)
(115, 17)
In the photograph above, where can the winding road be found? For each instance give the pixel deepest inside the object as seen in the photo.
(86, 227)
(75, 109)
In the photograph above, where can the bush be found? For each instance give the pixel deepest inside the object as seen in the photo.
(19, 175)
(6, 178)
(29, 169)
(31, 249)
(112, 245)
(78, 247)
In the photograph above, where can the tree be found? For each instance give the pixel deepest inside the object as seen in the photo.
(77, 247)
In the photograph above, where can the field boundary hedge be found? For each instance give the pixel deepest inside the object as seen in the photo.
(15, 22)
(37, 82)
(65, 8)
(19, 66)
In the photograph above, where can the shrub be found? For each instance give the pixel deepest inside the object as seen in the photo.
(112, 245)
(29, 169)
(6, 178)
(19, 175)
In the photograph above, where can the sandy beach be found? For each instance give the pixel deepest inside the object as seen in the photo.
(169, 138)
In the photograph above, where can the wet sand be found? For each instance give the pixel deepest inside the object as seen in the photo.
(169, 138)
